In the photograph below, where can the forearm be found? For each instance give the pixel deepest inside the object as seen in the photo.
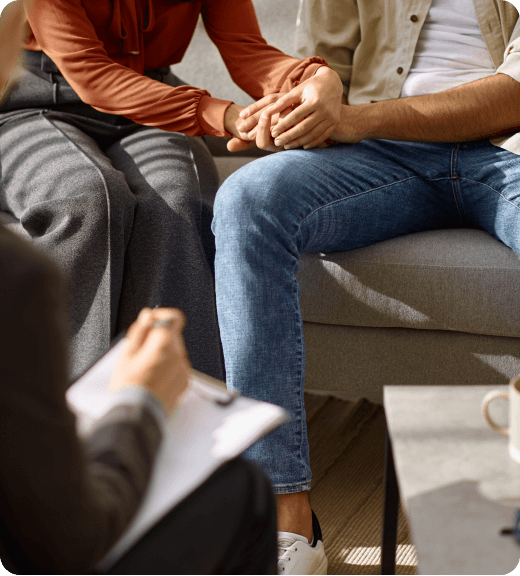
(480, 109)
(13, 28)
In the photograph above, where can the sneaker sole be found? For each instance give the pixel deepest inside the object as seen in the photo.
(322, 568)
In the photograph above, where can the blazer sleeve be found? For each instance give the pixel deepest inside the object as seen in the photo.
(256, 67)
(63, 501)
(330, 29)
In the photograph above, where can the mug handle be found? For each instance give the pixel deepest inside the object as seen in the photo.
(485, 405)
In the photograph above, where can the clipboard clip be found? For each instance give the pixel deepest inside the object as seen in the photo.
(223, 399)
(213, 390)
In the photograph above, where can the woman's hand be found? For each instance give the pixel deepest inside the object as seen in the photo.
(154, 356)
(316, 105)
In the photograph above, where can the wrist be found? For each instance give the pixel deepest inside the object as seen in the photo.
(231, 117)
(371, 117)
(357, 122)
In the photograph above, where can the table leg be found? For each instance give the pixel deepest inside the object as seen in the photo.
(390, 512)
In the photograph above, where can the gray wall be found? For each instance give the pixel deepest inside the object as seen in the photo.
(203, 67)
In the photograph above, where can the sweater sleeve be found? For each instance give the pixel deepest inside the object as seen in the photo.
(259, 69)
(63, 502)
(64, 32)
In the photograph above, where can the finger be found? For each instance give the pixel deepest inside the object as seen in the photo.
(249, 123)
(252, 120)
(292, 98)
(139, 329)
(295, 117)
(309, 136)
(320, 141)
(165, 330)
(168, 318)
(252, 134)
(263, 131)
(277, 117)
(298, 131)
(238, 145)
(285, 113)
(259, 105)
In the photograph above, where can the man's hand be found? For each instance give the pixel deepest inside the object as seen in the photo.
(312, 105)
(316, 107)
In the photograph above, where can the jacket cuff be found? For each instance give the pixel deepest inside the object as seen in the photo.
(297, 76)
(210, 113)
(511, 64)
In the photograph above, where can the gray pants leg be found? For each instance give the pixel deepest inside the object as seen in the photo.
(124, 226)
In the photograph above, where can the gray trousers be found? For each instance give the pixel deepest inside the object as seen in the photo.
(119, 207)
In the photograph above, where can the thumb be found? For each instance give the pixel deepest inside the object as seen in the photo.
(238, 145)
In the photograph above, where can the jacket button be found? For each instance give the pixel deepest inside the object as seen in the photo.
(414, 18)
(399, 70)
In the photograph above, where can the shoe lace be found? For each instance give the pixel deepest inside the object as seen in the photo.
(283, 546)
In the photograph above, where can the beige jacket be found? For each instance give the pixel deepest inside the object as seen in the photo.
(371, 43)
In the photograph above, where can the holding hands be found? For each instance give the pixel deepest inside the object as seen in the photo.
(306, 116)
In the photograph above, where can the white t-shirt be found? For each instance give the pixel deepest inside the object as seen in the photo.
(450, 51)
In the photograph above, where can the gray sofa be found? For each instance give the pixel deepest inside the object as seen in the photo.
(435, 307)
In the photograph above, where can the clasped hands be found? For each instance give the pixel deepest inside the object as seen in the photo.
(306, 116)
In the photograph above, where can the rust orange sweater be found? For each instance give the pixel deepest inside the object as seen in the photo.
(102, 48)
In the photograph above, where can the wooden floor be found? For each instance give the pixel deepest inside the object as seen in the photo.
(347, 452)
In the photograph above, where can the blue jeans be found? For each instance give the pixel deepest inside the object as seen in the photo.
(327, 200)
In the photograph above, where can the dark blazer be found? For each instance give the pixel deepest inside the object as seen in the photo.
(63, 501)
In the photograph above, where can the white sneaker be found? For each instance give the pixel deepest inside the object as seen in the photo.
(297, 556)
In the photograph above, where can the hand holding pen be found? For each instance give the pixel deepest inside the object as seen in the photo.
(154, 356)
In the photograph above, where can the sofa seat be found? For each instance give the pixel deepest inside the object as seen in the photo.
(463, 281)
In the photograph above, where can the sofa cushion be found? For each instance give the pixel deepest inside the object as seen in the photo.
(461, 280)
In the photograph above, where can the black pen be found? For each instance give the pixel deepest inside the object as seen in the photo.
(162, 323)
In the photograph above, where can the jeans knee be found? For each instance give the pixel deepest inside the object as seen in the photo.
(250, 195)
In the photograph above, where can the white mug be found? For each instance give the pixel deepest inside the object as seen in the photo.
(513, 430)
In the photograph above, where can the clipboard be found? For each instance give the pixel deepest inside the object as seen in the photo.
(210, 426)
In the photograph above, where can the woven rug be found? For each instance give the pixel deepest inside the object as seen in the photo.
(347, 454)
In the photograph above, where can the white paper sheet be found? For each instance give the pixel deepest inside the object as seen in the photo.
(200, 436)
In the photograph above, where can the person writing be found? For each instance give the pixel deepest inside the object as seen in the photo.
(64, 501)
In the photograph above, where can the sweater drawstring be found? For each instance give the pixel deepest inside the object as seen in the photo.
(128, 23)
